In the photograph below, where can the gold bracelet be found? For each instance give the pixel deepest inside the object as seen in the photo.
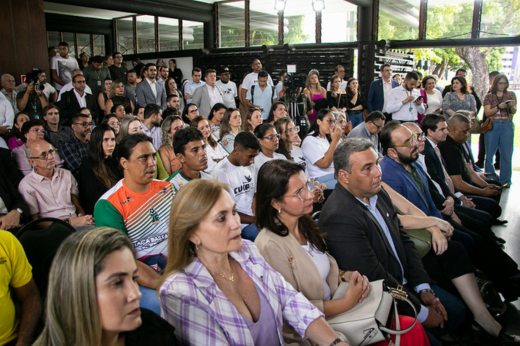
(342, 276)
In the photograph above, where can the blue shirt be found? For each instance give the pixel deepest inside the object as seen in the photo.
(264, 98)
(423, 313)
(190, 88)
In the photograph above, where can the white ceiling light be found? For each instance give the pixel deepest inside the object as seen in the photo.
(318, 5)
(279, 5)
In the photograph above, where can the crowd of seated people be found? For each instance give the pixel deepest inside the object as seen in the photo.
(191, 204)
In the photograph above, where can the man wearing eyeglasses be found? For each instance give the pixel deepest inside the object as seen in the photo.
(370, 128)
(73, 101)
(32, 130)
(50, 191)
(75, 150)
(55, 133)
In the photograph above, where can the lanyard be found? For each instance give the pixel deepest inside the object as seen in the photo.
(411, 108)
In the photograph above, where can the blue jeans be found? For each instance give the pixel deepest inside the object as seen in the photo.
(250, 232)
(356, 118)
(150, 300)
(501, 137)
(328, 180)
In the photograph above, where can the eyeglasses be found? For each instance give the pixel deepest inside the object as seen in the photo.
(294, 129)
(306, 189)
(38, 130)
(409, 142)
(80, 81)
(113, 123)
(272, 137)
(378, 127)
(44, 155)
(85, 124)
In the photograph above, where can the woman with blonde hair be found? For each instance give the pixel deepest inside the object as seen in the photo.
(336, 96)
(132, 125)
(93, 298)
(253, 119)
(169, 126)
(230, 126)
(217, 288)
(314, 91)
(116, 98)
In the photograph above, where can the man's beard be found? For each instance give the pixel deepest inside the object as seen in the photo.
(406, 160)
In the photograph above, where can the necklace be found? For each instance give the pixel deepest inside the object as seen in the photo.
(231, 278)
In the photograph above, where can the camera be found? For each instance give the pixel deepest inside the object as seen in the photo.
(39, 87)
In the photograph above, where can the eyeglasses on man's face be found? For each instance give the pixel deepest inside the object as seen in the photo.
(410, 141)
(45, 155)
(85, 124)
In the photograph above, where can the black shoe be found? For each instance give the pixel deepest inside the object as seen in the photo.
(498, 222)
(503, 337)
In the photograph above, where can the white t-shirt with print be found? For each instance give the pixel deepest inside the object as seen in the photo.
(214, 154)
(64, 68)
(314, 148)
(297, 155)
(260, 159)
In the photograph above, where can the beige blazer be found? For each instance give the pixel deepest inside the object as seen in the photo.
(288, 258)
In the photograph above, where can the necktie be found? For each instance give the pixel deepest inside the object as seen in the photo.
(449, 182)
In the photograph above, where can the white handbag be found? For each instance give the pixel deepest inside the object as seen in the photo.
(370, 321)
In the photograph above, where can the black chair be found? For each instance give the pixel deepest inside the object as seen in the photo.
(40, 245)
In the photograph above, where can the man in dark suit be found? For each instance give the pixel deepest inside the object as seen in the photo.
(73, 101)
(379, 91)
(370, 238)
(149, 91)
(13, 209)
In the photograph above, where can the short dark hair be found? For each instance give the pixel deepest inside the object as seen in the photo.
(374, 116)
(30, 124)
(174, 61)
(76, 117)
(262, 129)
(426, 79)
(493, 74)
(336, 69)
(412, 75)
(116, 53)
(462, 80)
(386, 135)
(48, 108)
(461, 70)
(209, 71)
(385, 65)
(245, 140)
(183, 136)
(169, 98)
(74, 78)
(128, 143)
(98, 59)
(131, 71)
(430, 122)
(63, 44)
(196, 69)
(263, 74)
(50, 48)
(150, 110)
(170, 111)
(147, 66)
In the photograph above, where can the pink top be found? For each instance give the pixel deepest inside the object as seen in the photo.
(14, 142)
(50, 198)
(314, 98)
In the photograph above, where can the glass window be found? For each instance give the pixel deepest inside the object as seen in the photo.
(232, 24)
(494, 13)
(145, 34)
(99, 44)
(193, 34)
(84, 44)
(69, 38)
(398, 19)
(125, 36)
(300, 22)
(449, 19)
(168, 34)
(338, 22)
(54, 38)
(263, 23)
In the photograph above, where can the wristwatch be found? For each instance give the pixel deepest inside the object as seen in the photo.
(19, 210)
(428, 290)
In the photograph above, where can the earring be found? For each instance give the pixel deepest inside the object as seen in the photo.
(279, 211)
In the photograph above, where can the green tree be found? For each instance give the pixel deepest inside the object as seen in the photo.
(296, 35)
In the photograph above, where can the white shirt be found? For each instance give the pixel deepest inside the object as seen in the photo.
(434, 101)
(342, 87)
(241, 183)
(214, 154)
(406, 112)
(387, 87)
(3, 208)
(230, 92)
(214, 95)
(297, 155)
(153, 86)
(81, 99)
(314, 148)
(252, 78)
(260, 159)
(68, 87)
(6, 112)
(321, 260)
(64, 68)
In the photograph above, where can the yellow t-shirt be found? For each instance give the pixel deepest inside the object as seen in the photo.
(15, 271)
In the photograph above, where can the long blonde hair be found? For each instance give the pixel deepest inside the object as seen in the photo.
(113, 87)
(190, 206)
(72, 314)
(308, 81)
(123, 129)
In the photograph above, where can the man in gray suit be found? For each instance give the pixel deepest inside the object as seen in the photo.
(206, 96)
(149, 91)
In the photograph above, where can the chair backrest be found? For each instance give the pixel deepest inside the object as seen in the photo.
(41, 244)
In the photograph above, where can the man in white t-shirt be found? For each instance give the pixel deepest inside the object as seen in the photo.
(228, 87)
(236, 171)
(62, 66)
(340, 71)
(252, 78)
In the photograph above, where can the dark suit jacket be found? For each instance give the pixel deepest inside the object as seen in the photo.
(434, 167)
(357, 241)
(8, 164)
(11, 197)
(69, 106)
(376, 95)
